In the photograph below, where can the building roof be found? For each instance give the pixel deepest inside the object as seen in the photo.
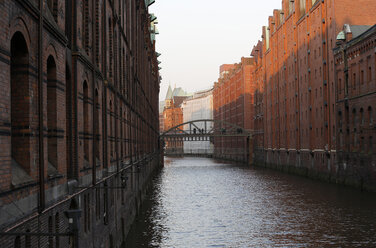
(355, 30)
(178, 100)
(169, 93)
(179, 92)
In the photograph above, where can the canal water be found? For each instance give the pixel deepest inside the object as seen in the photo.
(200, 202)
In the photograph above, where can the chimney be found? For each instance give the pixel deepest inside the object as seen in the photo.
(348, 36)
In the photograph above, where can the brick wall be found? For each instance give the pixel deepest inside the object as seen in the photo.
(233, 102)
(98, 75)
(355, 83)
(299, 92)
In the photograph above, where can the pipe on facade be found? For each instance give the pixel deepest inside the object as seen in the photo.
(40, 113)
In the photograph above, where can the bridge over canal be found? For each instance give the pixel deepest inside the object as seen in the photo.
(214, 132)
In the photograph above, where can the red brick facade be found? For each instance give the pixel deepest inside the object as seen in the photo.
(291, 92)
(355, 79)
(233, 102)
(79, 97)
(173, 116)
(296, 102)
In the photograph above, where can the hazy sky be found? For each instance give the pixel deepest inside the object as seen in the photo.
(197, 36)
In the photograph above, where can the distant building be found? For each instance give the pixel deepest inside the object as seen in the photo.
(233, 102)
(161, 118)
(199, 107)
(354, 59)
(173, 114)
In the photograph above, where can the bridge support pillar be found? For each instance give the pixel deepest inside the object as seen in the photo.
(250, 151)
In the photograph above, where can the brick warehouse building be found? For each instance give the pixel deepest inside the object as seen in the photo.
(298, 96)
(354, 59)
(173, 116)
(78, 119)
(233, 102)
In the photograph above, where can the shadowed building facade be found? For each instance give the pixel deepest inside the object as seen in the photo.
(354, 59)
(79, 106)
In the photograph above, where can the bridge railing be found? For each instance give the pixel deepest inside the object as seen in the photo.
(227, 151)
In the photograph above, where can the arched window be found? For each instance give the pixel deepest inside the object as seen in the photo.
(354, 80)
(86, 120)
(20, 104)
(355, 121)
(51, 112)
(370, 115)
(361, 116)
(369, 74)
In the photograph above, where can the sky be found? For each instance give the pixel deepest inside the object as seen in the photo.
(197, 36)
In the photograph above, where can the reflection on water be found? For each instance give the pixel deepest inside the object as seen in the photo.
(199, 202)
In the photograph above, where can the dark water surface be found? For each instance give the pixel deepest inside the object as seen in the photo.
(199, 202)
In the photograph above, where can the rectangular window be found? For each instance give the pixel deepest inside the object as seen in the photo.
(302, 7)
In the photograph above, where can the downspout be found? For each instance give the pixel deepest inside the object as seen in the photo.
(40, 105)
(75, 94)
(95, 143)
(104, 68)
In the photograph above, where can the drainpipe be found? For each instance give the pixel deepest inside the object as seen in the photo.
(40, 105)
(104, 86)
(94, 121)
(75, 163)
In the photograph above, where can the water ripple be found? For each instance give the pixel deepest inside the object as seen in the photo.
(199, 202)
